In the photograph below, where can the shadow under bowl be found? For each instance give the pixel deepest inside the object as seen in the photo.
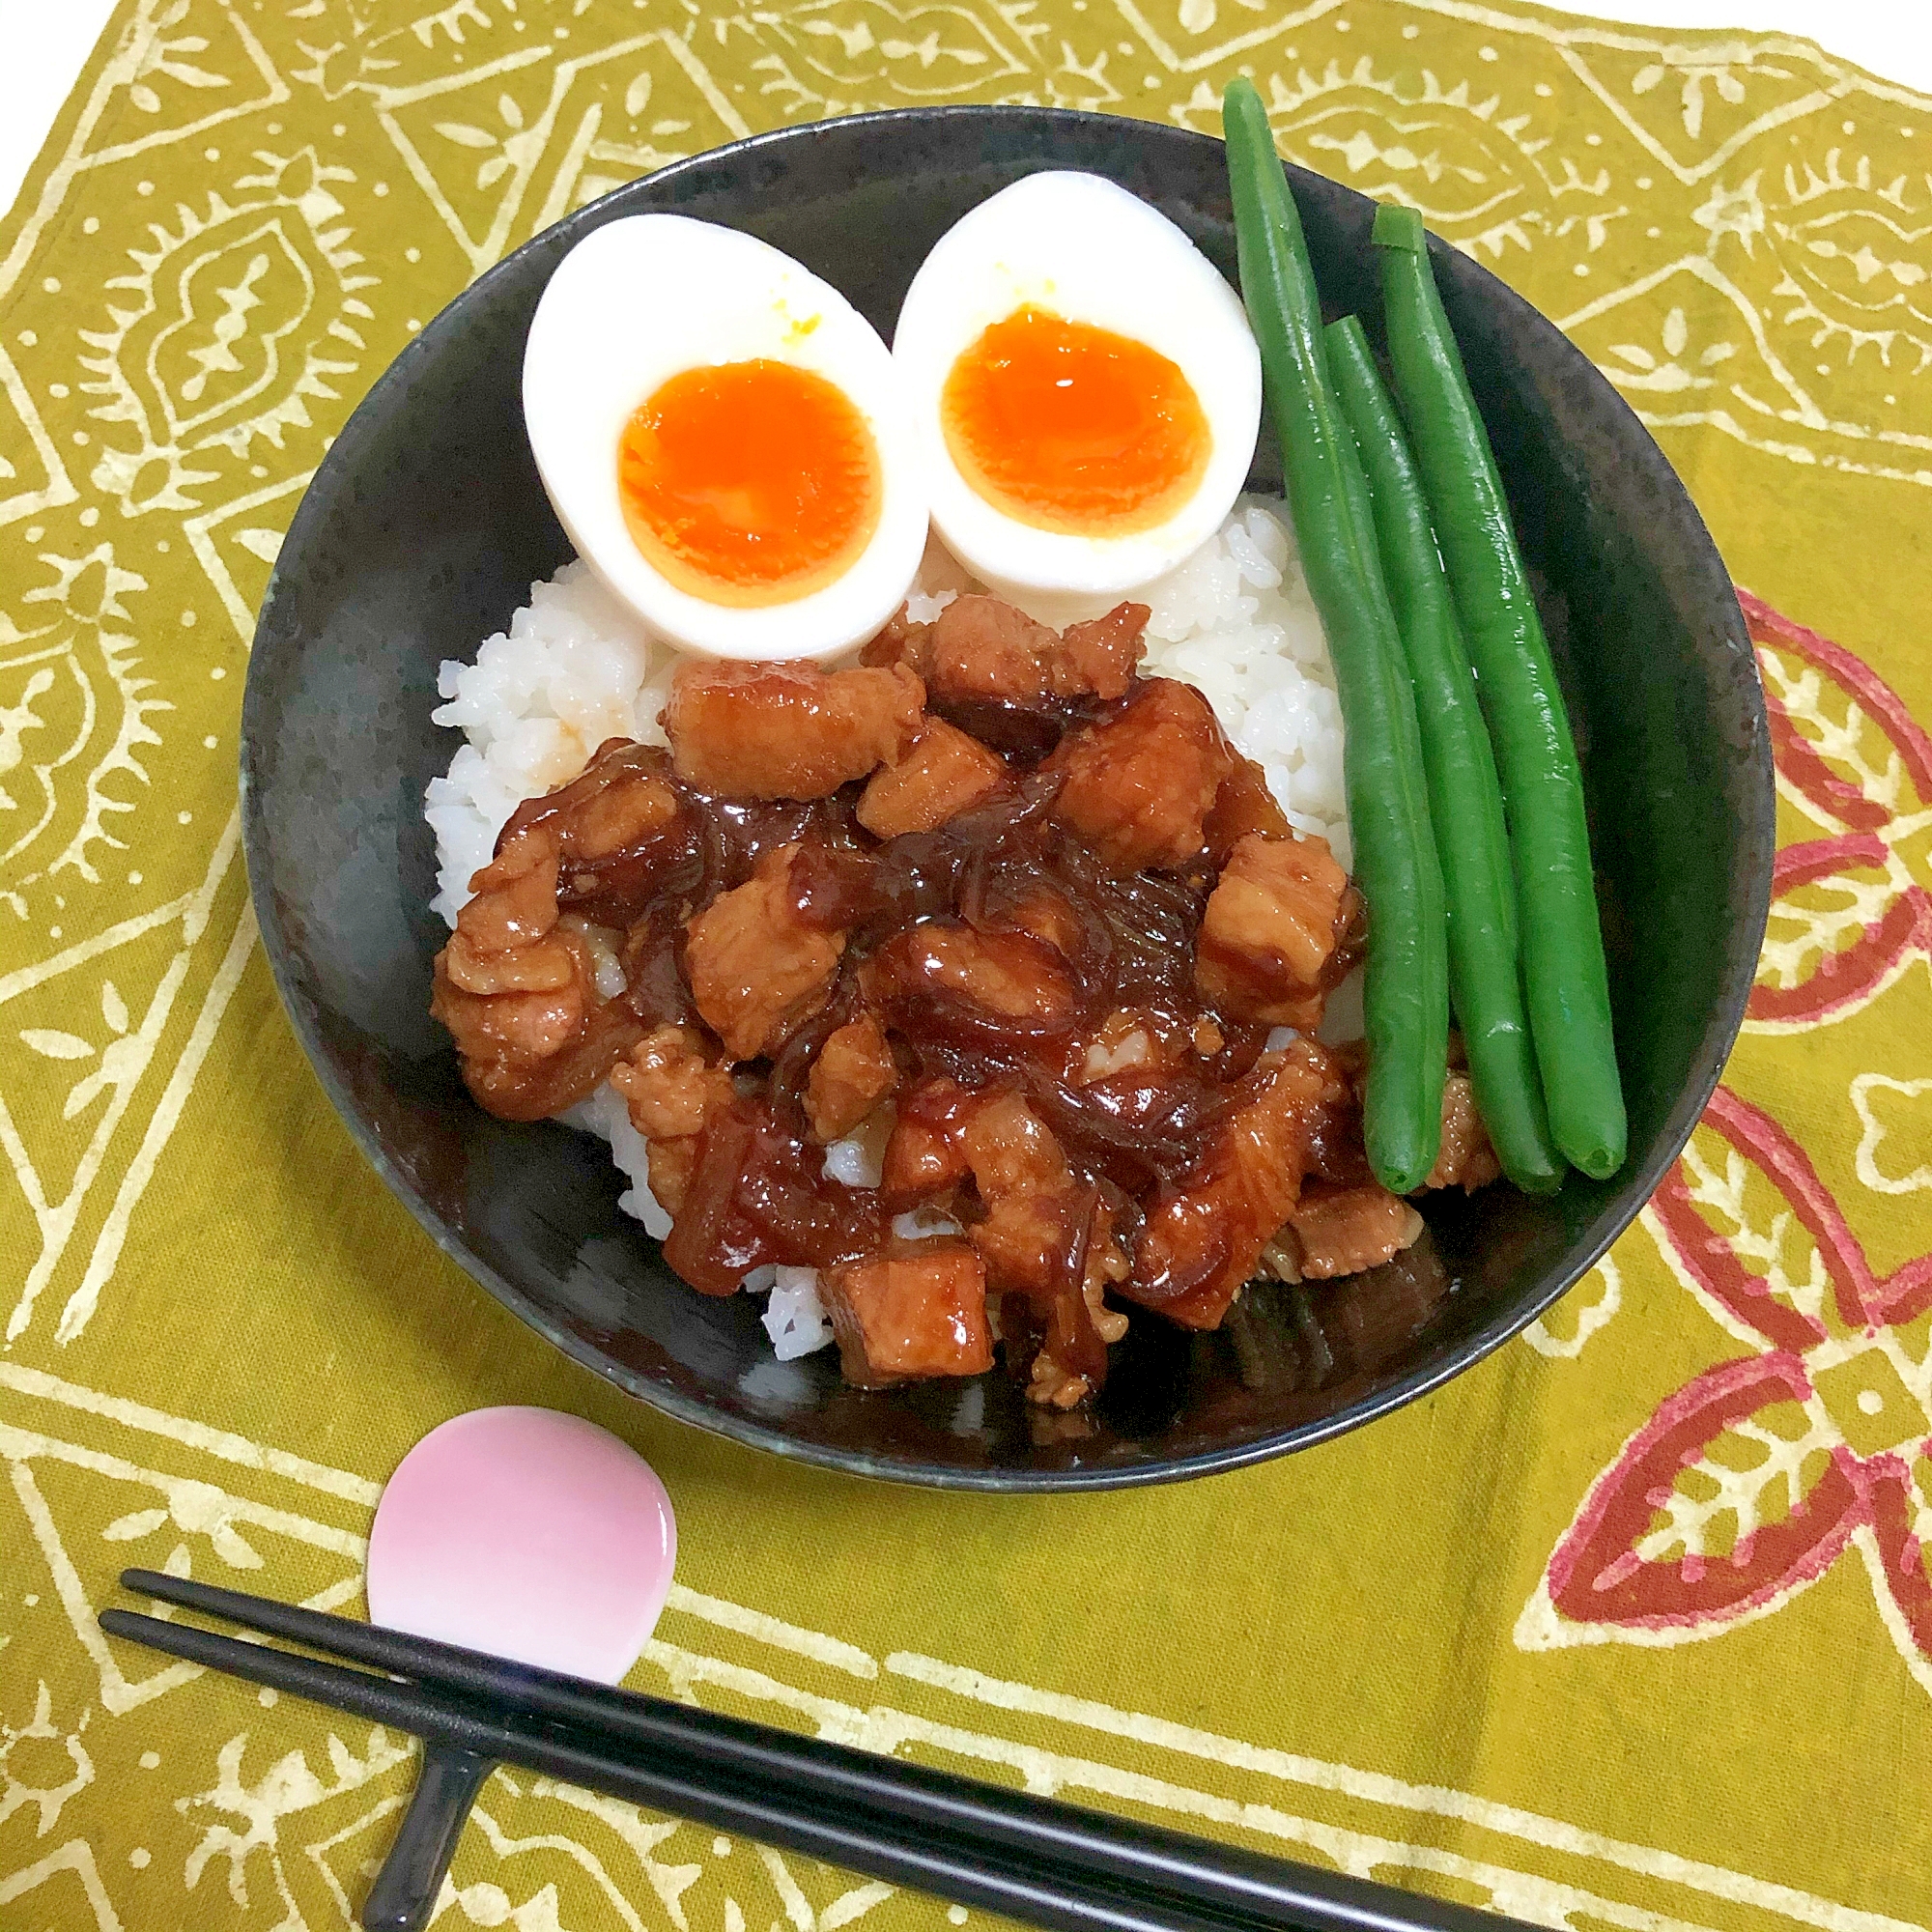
(423, 530)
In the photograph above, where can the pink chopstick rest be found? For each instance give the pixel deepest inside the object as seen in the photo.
(528, 1534)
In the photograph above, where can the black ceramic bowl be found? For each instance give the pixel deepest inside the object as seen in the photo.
(422, 533)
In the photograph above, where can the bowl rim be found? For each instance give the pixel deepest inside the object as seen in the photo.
(1632, 1191)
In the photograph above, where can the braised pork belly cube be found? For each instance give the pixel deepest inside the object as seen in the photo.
(544, 966)
(1004, 976)
(1099, 658)
(528, 1056)
(670, 1087)
(669, 1084)
(854, 1071)
(907, 1316)
(517, 994)
(1242, 805)
(1136, 787)
(982, 649)
(1466, 1158)
(787, 730)
(1272, 926)
(1202, 1241)
(503, 1038)
(1045, 914)
(943, 773)
(671, 1165)
(899, 640)
(619, 828)
(755, 967)
(925, 1158)
(621, 801)
(1345, 1230)
(621, 816)
(1036, 1211)
(512, 900)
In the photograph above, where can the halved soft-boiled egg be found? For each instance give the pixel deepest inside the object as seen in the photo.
(1085, 390)
(722, 437)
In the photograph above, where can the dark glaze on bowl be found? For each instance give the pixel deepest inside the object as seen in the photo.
(423, 530)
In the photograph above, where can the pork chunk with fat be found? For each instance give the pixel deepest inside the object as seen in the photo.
(925, 1158)
(669, 1085)
(1242, 805)
(790, 729)
(943, 774)
(628, 812)
(982, 649)
(900, 641)
(512, 900)
(503, 1035)
(1009, 977)
(1138, 785)
(755, 967)
(1466, 1158)
(1202, 1241)
(1272, 926)
(617, 827)
(1099, 658)
(854, 1071)
(1345, 1230)
(1036, 1212)
(518, 989)
(906, 1316)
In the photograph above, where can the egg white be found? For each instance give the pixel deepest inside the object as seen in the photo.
(1085, 249)
(640, 300)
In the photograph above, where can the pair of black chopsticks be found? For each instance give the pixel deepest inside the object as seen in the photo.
(1034, 1858)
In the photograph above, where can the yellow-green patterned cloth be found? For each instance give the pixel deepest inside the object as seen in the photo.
(1630, 1627)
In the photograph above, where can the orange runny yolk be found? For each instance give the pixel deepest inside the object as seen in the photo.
(750, 483)
(1072, 428)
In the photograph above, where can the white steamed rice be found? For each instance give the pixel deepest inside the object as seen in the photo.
(574, 667)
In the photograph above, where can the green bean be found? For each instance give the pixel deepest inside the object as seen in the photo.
(1406, 998)
(1564, 977)
(1466, 802)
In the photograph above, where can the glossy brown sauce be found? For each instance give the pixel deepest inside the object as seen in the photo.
(1060, 1087)
(1134, 950)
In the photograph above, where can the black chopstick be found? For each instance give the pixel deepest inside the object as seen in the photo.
(1052, 1864)
(675, 1785)
(933, 1801)
(860, 1839)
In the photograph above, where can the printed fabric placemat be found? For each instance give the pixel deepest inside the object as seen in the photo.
(1630, 1626)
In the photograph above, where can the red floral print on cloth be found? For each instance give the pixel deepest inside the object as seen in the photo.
(1755, 1476)
(1747, 1484)
(1852, 910)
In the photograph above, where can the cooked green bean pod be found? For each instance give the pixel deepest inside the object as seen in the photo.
(1564, 977)
(1406, 1004)
(1466, 802)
